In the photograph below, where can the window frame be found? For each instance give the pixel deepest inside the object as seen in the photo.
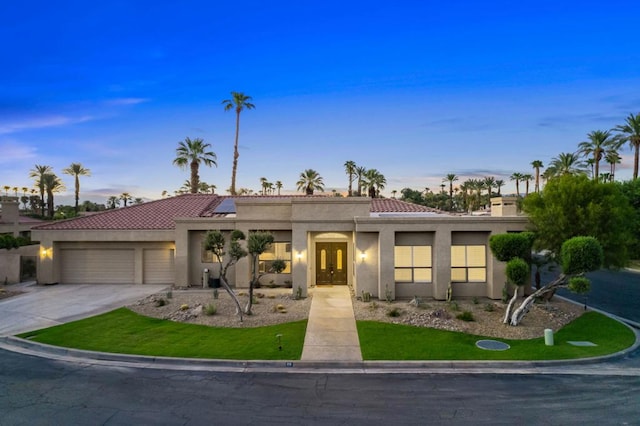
(411, 266)
(470, 264)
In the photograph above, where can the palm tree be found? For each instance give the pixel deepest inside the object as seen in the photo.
(612, 157)
(113, 202)
(279, 186)
(629, 132)
(310, 181)
(264, 184)
(596, 145)
(498, 185)
(350, 169)
(52, 184)
(76, 170)
(489, 183)
(527, 178)
(6, 189)
(517, 177)
(125, 197)
(566, 163)
(193, 152)
(360, 172)
(375, 181)
(38, 172)
(238, 102)
(451, 177)
(537, 164)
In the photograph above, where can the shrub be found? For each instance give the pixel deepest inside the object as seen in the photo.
(170, 294)
(278, 265)
(161, 302)
(507, 246)
(475, 301)
(581, 254)
(366, 296)
(489, 307)
(465, 316)
(184, 307)
(394, 312)
(454, 306)
(210, 309)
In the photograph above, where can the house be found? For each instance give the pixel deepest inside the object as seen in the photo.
(18, 263)
(11, 222)
(383, 246)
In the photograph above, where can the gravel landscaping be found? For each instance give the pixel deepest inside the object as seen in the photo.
(278, 305)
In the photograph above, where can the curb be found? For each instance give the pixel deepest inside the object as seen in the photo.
(16, 344)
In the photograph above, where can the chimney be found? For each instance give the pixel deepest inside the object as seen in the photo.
(504, 206)
(10, 207)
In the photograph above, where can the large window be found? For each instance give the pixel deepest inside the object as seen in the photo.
(468, 263)
(280, 251)
(412, 264)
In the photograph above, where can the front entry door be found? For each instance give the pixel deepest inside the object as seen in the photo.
(331, 263)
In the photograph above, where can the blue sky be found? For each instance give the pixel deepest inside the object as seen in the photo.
(415, 89)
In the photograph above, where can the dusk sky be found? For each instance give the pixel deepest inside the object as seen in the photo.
(415, 89)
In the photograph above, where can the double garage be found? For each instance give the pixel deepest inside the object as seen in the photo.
(117, 263)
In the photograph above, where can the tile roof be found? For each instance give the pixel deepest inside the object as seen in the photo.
(161, 214)
(158, 214)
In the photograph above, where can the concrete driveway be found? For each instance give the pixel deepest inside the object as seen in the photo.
(46, 306)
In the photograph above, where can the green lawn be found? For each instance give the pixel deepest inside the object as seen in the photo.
(123, 331)
(383, 341)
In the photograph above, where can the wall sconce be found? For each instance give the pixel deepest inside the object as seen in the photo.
(46, 253)
(299, 256)
(363, 256)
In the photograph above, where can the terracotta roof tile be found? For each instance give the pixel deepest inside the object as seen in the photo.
(392, 205)
(158, 214)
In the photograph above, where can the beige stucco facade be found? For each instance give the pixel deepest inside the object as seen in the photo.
(366, 242)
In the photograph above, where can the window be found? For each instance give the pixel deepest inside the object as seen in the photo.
(206, 256)
(280, 251)
(469, 263)
(412, 264)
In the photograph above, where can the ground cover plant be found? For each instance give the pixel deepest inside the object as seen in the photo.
(123, 331)
(385, 341)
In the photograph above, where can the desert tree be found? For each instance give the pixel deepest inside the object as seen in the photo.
(76, 170)
(238, 102)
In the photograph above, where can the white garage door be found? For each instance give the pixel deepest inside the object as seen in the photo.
(158, 266)
(97, 266)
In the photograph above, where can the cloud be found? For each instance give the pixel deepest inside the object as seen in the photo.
(19, 125)
(126, 101)
(12, 152)
(563, 121)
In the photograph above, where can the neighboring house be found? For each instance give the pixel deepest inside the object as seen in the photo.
(10, 220)
(386, 247)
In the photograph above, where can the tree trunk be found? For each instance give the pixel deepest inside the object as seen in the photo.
(510, 306)
(223, 281)
(524, 307)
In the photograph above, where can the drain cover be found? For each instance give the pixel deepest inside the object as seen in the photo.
(492, 345)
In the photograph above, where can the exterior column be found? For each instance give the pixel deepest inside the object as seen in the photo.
(300, 257)
(441, 263)
(182, 256)
(387, 282)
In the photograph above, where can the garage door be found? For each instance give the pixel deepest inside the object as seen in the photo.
(97, 266)
(159, 266)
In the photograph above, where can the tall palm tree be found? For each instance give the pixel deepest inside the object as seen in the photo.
(125, 197)
(52, 184)
(566, 163)
(6, 189)
(612, 157)
(38, 172)
(375, 181)
(350, 169)
(310, 181)
(489, 184)
(192, 153)
(264, 184)
(596, 145)
(279, 186)
(76, 170)
(113, 202)
(451, 177)
(238, 102)
(498, 185)
(629, 132)
(526, 178)
(360, 172)
(537, 164)
(517, 177)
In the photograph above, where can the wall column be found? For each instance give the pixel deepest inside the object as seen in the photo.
(441, 263)
(387, 282)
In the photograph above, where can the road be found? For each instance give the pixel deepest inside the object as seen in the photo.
(615, 292)
(36, 391)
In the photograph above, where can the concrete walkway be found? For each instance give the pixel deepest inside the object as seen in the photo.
(331, 330)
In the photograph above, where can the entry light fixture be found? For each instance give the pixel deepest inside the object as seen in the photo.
(299, 256)
(363, 256)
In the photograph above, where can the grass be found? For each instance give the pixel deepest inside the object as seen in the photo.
(383, 341)
(123, 331)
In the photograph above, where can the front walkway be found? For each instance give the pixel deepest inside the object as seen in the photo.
(331, 330)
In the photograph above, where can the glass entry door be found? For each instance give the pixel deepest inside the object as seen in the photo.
(331, 263)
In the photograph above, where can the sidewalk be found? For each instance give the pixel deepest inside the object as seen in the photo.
(331, 330)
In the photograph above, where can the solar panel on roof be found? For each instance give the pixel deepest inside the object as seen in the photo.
(228, 205)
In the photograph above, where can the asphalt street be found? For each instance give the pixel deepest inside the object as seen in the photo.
(37, 391)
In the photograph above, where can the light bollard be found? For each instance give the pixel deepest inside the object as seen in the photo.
(548, 337)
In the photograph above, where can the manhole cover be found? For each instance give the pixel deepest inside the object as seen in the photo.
(492, 345)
